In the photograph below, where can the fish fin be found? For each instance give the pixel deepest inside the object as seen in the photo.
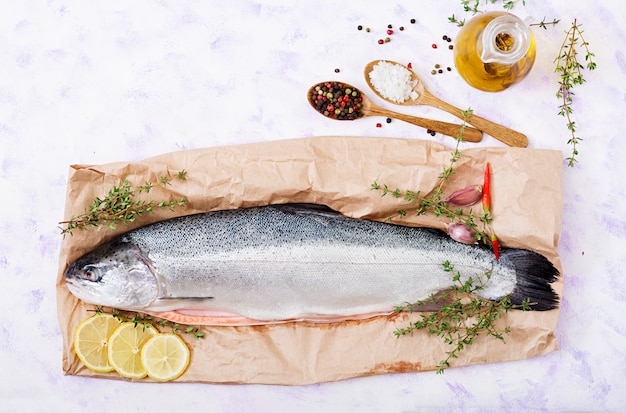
(535, 273)
(306, 209)
(434, 303)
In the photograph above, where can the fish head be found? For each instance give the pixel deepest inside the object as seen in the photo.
(118, 274)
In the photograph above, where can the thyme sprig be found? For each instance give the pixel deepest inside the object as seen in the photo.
(147, 321)
(121, 205)
(571, 74)
(473, 7)
(434, 203)
(466, 318)
(544, 24)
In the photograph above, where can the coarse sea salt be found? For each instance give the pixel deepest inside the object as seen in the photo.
(393, 81)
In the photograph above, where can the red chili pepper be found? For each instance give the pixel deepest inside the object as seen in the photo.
(496, 246)
(487, 206)
(487, 190)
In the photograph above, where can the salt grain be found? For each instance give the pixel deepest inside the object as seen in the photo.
(393, 81)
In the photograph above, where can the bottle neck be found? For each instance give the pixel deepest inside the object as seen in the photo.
(505, 40)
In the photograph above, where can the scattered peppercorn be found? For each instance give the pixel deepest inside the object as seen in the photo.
(437, 66)
(389, 26)
(449, 39)
(367, 29)
(445, 37)
(359, 27)
(449, 69)
(381, 41)
(412, 21)
(389, 32)
(387, 39)
(409, 65)
(401, 28)
(440, 71)
(336, 100)
(379, 125)
(433, 72)
(337, 70)
(450, 47)
(431, 132)
(434, 46)
(388, 120)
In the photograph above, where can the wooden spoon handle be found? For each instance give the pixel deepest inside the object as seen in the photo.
(449, 129)
(501, 133)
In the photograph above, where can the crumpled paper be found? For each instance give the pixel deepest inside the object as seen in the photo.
(338, 172)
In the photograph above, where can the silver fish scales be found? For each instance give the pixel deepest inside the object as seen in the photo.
(286, 263)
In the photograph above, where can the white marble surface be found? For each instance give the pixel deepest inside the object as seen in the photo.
(97, 82)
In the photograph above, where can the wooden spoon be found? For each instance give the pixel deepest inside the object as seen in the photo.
(501, 133)
(370, 109)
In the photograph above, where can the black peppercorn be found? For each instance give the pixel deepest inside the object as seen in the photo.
(359, 27)
(412, 21)
(388, 120)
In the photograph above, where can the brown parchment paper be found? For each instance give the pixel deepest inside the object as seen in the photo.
(336, 171)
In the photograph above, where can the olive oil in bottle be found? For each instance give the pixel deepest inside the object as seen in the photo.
(494, 50)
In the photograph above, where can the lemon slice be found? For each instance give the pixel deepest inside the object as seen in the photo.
(165, 357)
(125, 349)
(91, 340)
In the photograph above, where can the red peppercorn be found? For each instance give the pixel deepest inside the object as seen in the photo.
(434, 46)
(390, 32)
(410, 66)
(331, 108)
(381, 41)
(379, 125)
(343, 104)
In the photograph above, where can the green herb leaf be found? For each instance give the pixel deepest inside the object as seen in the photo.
(461, 322)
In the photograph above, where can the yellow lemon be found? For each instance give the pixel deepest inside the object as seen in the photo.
(91, 341)
(165, 357)
(125, 349)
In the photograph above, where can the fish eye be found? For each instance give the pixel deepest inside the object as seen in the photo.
(91, 273)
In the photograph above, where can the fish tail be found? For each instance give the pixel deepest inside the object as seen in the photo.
(535, 273)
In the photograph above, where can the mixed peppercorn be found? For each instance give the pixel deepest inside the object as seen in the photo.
(337, 100)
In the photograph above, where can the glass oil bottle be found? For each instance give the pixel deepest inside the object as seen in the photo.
(494, 50)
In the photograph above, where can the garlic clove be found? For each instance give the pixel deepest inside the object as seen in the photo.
(466, 196)
(462, 233)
